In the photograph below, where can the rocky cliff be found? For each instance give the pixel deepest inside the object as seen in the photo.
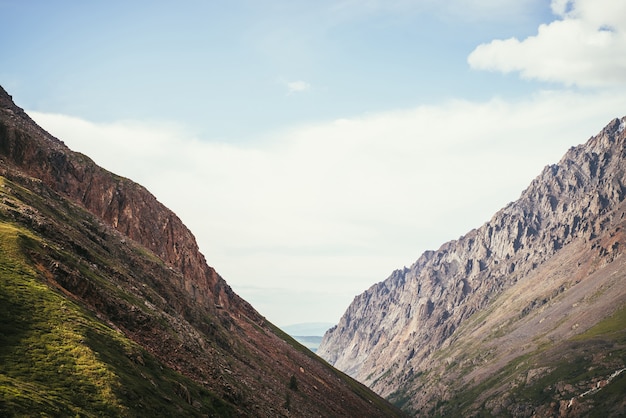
(441, 336)
(119, 202)
(107, 308)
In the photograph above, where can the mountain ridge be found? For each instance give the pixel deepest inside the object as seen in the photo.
(121, 203)
(395, 330)
(92, 263)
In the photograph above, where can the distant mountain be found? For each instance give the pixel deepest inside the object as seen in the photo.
(308, 328)
(312, 342)
(308, 334)
(107, 308)
(524, 316)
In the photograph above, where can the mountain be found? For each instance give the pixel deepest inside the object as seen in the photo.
(107, 307)
(524, 316)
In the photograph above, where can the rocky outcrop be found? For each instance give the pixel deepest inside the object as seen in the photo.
(398, 328)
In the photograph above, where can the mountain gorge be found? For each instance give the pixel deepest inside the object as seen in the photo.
(524, 316)
(108, 308)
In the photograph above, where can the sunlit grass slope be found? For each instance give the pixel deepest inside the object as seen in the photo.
(57, 359)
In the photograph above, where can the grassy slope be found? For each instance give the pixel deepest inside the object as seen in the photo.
(564, 372)
(571, 368)
(57, 359)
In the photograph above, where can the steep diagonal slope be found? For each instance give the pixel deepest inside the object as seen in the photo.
(119, 202)
(108, 308)
(543, 270)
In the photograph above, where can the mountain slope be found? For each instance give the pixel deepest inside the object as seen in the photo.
(108, 308)
(498, 321)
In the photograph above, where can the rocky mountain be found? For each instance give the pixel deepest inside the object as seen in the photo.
(107, 308)
(524, 316)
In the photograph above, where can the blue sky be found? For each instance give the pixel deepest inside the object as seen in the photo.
(224, 68)
(314, 147)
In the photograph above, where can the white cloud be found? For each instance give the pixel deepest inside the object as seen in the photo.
(297, 86)
(339, 205)
(587, 47)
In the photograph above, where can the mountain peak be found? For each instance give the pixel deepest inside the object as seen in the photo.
(6, 100)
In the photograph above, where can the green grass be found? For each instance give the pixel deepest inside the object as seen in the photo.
(56, 359)
(612, 327)
(41, 344)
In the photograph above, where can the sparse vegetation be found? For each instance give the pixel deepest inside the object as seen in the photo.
(293, 383)
(287, 404)
(570, 369)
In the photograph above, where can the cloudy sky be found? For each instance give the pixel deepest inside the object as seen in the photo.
(315, 146)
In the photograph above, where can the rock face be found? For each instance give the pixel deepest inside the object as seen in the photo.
(127, 265)
(121, 203)
(543, 270)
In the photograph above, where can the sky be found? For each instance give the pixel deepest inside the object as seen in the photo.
(314, 147)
